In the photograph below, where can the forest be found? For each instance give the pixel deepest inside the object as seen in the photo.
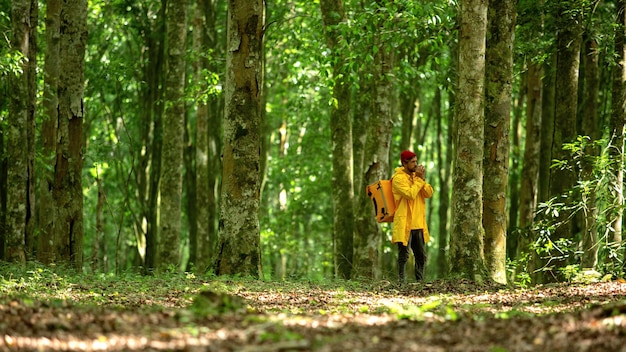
(191, 175)
(142, 136)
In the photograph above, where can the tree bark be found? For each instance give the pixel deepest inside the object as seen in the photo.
(20, 171)
(47, 210)
(173, 131)
(444, 160)
(239, 233)
(197, 254)
(216, 117)
(591, 87)
(152, 133)
(68, 190)
(499, 72)
(377, 151)
(341, 138)
(466, 238)
(30, 131)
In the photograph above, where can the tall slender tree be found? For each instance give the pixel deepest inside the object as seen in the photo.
(171, 178)
(499, 75)
(47, 210)
(379, 131)
(20, 133)
(197, 255)
(341, 138)
(151, 115)
(238, 249)
(208, 126)
(68, 189)
(529, 185)
(591, 86)
(562, 180)
(467, 235)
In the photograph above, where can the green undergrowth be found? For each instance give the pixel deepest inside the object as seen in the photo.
(194, 296)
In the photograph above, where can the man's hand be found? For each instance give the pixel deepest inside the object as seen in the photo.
(420, 172)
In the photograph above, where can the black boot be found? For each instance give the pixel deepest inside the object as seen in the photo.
(401, 273)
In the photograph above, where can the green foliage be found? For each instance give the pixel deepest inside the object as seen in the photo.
(432, 309)
(11, 62)
(577, 202)
(516, 270)
(210, 303)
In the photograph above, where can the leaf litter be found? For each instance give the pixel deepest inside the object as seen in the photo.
(216, 314)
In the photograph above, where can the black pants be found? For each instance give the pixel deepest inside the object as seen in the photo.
(416, 242)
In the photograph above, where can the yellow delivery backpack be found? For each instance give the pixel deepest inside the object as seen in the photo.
(382, 197)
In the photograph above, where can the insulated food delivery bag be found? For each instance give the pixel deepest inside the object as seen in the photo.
(382, 197)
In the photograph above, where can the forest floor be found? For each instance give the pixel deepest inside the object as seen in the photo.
(42, 310)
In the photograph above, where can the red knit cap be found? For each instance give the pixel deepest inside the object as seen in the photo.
(406, 155)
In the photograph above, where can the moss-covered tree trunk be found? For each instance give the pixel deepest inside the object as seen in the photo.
(466, 238)
(68, 189)
(376, 163)
(341, 138)
(172, 159)
(498, 80)
(47, 210)
(20, 136)
(238, 249)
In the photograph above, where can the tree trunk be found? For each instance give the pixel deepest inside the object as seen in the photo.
(563, 180)
(239, 236)
(191, 193)
(529, 187)
(515, 154)
(443, 193)
(152, 134)
(197, 254)
(499, 71)
(215, 117)
(616, 130)
(68, 190)
(30, 132)
(47, 210)
(466, 238)
(21, 111)
(96, 264)
(376, 164)
(589, 128)
(548, 97)
(529, 181)
(173, 131)
(341, 139)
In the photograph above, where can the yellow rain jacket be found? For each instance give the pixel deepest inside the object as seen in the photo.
(409, 193)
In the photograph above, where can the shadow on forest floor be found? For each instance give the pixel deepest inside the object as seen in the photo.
(41, 310)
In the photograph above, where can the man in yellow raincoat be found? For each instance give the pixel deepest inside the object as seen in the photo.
(410, 190)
